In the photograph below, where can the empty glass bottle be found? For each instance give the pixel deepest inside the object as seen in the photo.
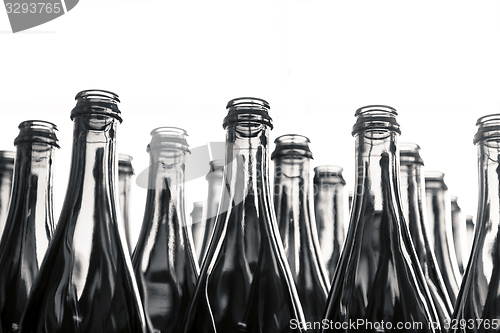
(331, 213)
(125, 174)
(30, 220)
(163, 259)
(478, 302)
(6, 173)
(197, 226)
(214, 178)
(414, 209)
(458, 225)
(296, 225)
(245, 283)
(441, 232)
(379, 277)
(86, 283)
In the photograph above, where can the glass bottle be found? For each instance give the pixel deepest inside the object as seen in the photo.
(441, 232)
(6, 175)
(470, 236)
(379, 277)
(459, 229)
(86, 283)
(125, 174)
(479, 297)
(163, 260)
(197, 226)
(214, 178)
(30, 220)
(245, 283)
(331, 213)
(297, 227)
(414, 209)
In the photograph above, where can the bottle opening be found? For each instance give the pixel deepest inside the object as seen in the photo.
(410, 153)
(488, 128)
(435, 179)
(216, 165)
(125, 164)
(98, 102)
(377, 119)
(292, 145)
(37, 131)
(331, 173)
(247, 110)
(169, 139)
(7, 156)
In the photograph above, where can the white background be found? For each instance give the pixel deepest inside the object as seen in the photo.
(177, 63)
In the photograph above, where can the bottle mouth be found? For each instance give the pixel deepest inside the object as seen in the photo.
(7, 156)
(376, 118)
(247, 110)
(96, 102)
(125, 164)
(435, 179)
(488, 128)
(216, 165)
(37, 131)
(168, 139)
(410, 153)
(292, 145)
(331, 173)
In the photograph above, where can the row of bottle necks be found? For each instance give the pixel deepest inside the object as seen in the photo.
(399, 256)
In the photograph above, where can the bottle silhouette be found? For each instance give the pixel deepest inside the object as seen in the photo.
(86, 283)
(214, 178)
(245, 283)
(297, 227)
(163, 259)
(6, 174)
(478, 302)
(378, 277)
(30, 220)
(458, 225)
(441, 231)
(414, 209)
(331, 211)
(125, 174)
(197, 226)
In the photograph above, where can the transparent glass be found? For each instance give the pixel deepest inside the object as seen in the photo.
(470, 236)
(245, 283)
(379, 277)
(479, 296)
(163, 259)
(125, 174)
(331, 213)
(414, 209)
(214, 179)
(296, 225)
(459, 233)
(86, 283)
(441, 231)
(30, 220)
(197, 226)
(6, 175)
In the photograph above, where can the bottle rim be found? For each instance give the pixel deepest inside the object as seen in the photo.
(125, 164)
(488, 128)
(434, 176)
(97, 102)
(37, 131)
(376, 118)
(409, 153)
(168, 138)
(217, 164)
(247, 110)
(326, 173)
(8, 156)
(292, 145)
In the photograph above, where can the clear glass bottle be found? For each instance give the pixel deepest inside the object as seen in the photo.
(479, 297)
(459, 230)
(470, 236)
(197, 226)
(414, 209)
(297, 227)
(441, 231)
(30, 220)
(163, 260)
(86, 283)
(331, 213)
(379, 277)
(245, 283)
(6, 175)
(125, 174)
(214, 178)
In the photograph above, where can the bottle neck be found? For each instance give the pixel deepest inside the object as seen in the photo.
(214, 193)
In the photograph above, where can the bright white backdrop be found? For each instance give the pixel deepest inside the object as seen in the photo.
(177, 64)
